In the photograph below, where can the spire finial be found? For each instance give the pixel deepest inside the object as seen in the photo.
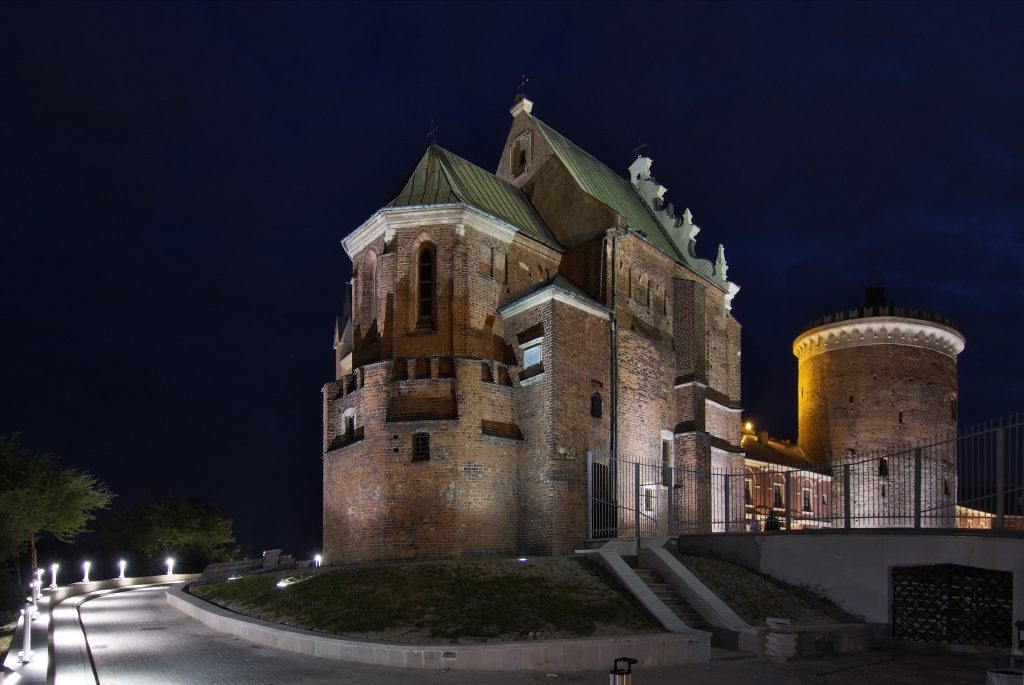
(521, 90)
(432, 133)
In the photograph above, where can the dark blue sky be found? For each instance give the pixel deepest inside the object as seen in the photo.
(175, 180)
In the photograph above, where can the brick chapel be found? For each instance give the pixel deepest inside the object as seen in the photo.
(503, 326)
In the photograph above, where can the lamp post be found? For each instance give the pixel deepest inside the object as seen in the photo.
(85, 571)
(318, 560)
(121, 566)
(53, 576)
(26, 646)
(170, 566)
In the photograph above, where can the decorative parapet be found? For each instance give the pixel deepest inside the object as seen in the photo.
(879, 330)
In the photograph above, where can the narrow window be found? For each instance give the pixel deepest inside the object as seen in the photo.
(368, 283)
(952, 408)
(666, 462)
(900, 419)
(824, 500)
(946, 490)
(777, 501)
(883, 490)
(807, 499)
(425, 286)
(595, 405)
(532, 356)
(648, 499)
(421, 446)
(851, 399)
(883, 467)
(519, 156)
(350, 426)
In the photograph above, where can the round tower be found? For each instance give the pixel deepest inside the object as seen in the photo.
(874, 383)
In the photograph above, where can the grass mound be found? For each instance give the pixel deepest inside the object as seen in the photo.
(492, 599)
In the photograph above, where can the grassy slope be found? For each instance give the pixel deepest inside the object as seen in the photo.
(494, 599)
(755, 597)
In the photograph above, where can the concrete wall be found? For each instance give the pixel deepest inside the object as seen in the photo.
(853, 568)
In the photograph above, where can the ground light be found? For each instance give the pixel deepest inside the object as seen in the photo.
(170, 566)
(85, 571)
(53, 576)
(121, 565)
(317, 560)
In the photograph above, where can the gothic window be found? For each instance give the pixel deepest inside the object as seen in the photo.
(426, 286)
(421, 446)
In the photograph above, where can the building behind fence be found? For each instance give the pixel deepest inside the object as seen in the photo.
(971, 480)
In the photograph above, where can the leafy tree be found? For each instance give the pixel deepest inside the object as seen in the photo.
(189, 529)
(38, 498)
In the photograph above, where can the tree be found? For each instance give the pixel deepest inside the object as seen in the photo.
(188, 529)
(38, 497)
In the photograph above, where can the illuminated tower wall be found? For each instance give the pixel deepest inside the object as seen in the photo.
(877, 382)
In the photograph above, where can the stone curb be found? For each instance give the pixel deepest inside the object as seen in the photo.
(548, 655)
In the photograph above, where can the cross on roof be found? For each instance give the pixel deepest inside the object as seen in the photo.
(522, 84)
(640, 145)
(432, 133)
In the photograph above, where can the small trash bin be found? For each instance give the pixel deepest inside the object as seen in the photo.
(1004, 676)
(621, 676)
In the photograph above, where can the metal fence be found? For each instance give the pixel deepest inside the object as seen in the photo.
(971, 480)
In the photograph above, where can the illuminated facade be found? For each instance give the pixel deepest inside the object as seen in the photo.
(503, 326)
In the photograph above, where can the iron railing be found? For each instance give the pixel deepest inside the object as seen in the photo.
(974, 479)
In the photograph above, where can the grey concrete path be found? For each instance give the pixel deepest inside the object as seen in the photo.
(136, 639)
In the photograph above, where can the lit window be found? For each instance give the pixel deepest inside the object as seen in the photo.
(777, 500)
(748, 491)
(807, 499)
(421, 446)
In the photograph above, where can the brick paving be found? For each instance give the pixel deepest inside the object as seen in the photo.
(136, 639)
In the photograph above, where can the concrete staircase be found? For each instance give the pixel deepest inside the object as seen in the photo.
(671, 599)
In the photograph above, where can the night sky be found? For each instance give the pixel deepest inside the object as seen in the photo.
(175, 180)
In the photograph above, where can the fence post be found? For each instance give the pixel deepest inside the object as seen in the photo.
(636, 504)
(846, 495)
(726, 499)
(917, 487)
(671, 499)
(1000, 476)
(590, 495)
(788, 501)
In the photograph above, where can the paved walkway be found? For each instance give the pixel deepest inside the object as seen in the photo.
(135, 638)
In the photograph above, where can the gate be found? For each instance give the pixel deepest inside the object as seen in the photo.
(952, 604)
(628, 499)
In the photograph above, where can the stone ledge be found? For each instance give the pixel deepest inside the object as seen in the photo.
(541, 655)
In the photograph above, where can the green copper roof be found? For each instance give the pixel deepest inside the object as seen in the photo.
(443, 178)
(600, 182)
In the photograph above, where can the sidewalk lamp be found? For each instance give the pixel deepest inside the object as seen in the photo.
(121, 566)
(85, 571)
(40, 572)
(53, 576)
(170, 566)
(318, 560)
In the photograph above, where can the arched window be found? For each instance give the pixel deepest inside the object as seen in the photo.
(426, 274)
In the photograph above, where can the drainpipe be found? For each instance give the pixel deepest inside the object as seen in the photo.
(613, 448)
